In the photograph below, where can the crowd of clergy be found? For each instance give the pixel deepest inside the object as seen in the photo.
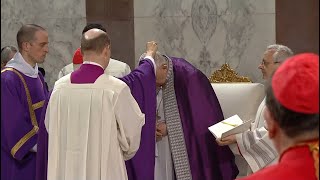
(104, 121)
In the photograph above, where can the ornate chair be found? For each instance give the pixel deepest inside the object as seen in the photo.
(227, 75)
(237, 95)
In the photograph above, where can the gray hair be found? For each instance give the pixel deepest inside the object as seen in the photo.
(273, 47)
(159, 59)
(5, 53)
(281, 52)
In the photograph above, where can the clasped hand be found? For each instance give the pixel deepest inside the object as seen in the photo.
(161, 131)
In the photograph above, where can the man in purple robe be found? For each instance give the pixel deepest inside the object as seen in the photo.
(22, 98)
(187, 108)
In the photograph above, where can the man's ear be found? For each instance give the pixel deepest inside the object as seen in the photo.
(106, 50)
(272, 125)
(25, 46)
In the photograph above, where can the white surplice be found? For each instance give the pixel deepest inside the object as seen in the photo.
(93, 129)
(163, 164)
(255, 145)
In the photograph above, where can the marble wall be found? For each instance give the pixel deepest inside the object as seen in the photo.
(208, 33)
(64, 21)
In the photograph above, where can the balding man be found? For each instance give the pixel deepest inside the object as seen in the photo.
(22, 98)
(93, 122)
(115, 68)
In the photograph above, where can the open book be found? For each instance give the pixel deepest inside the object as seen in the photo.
(229, 126)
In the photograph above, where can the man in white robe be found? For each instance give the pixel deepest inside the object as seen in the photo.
(93, 122)
(255, 145)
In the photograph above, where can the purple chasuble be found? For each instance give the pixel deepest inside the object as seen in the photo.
(142, 83)
(199, 108)
(86, 74)
(18, 134)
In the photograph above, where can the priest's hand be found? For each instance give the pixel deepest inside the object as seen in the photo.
(152, 48)
(162, 128)
(227, 140)
(161, 131)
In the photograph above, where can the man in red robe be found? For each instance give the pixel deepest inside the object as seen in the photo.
(292, 119)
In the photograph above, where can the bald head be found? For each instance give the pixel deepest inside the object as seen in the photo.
(94, 40)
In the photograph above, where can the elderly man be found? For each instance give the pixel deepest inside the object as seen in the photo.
(115, 68)
(7, 54)
(255, 145)
(93, 122)
(181, 147)
(292, 119)
(22, 97)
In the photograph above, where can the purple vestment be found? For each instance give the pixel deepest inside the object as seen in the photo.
(199, 108)
(17, 161)
(142, 83)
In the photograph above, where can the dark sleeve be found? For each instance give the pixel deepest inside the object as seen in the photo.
(18, 135)
(142, 83)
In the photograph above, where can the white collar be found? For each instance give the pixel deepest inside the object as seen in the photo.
(18, 63)
(93, 63)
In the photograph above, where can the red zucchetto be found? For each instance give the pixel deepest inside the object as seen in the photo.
(295, 83)
(77, 57)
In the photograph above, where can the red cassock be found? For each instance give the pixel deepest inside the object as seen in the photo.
(300, 162)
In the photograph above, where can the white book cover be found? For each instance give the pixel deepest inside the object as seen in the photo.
(229, 126)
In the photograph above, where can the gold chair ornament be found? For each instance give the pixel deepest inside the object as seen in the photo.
(227, 75)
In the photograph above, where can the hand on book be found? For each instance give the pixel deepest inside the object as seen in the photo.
(227, 140)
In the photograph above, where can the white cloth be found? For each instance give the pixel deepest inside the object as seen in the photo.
(115, 68)
(20, 64)
(255, 145)
(163, 162)
(92, 129)
(152, 60)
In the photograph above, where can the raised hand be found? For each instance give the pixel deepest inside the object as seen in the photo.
(151, 48)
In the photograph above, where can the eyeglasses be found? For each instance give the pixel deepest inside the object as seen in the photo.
(263, 63)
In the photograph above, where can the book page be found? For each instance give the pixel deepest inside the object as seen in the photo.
(239, 129)
(224, 126)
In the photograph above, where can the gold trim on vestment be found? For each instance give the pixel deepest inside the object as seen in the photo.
(31, 107)
(23, 140)
(31, 110)
(38, 105)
